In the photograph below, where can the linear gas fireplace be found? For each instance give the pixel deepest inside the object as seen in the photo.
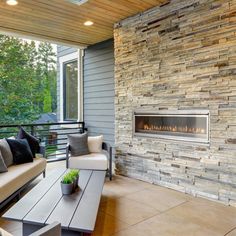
(179, 125)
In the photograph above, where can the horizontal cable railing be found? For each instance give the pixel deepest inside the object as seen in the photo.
(52, 136)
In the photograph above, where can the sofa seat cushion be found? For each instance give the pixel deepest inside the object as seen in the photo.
(92, 161)
(18, 175)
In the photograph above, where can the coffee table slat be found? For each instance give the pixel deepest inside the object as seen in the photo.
(65, 209)
(40, 212)
(22, 207)
(85, 215)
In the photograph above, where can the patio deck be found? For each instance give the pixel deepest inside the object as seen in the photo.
(131, 207)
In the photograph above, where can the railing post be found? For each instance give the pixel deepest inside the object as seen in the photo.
(32, 130)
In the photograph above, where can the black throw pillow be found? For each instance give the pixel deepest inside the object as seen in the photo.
(33, 142)
(20, 150)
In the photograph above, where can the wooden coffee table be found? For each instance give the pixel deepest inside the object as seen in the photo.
(45, 204)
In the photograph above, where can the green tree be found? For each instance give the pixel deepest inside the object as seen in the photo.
(46, 63)
(27, 80)
(47, 102)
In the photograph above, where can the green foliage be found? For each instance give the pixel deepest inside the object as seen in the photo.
(47, 103)
(70, 176)
(67, 179)
(51, 150)
(74, 173)
(27, 80)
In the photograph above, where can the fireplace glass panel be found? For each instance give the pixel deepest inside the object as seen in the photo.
(184, 127)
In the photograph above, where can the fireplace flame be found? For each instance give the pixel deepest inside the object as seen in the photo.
(184, 129)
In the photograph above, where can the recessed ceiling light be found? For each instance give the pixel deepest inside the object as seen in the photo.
(88, 23)
(77, 2)
(12, 2)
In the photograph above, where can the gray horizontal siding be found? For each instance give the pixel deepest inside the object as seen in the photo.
(99, 94)
(101, 76)
(64, 50)
(104, 49)
(98, 82)
(100, 113)
(94, 106)
(99, 90)
(102, 101)
(102, 125)
(106, 56)
(99, 70)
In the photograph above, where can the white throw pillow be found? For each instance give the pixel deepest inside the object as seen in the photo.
(95, 143)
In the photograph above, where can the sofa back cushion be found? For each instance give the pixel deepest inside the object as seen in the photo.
(33, 141)
(6, 152)
(95, 144)
(78, 144)
(3, 167)
(20, 150)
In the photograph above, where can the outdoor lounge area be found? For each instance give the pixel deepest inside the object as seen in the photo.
(124, 120)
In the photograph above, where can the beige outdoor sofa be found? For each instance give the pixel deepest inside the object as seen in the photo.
(18, 177)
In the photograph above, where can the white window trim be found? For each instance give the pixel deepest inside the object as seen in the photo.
(78, 55)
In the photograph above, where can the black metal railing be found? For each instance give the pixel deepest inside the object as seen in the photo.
(53, 136)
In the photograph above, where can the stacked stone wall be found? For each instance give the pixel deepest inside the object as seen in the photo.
(181, 55)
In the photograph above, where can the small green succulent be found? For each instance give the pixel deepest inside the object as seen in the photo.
(74, 172)
(70, 176)
(67, 179)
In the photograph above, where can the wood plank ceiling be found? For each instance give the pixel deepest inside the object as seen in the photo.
(63, 22)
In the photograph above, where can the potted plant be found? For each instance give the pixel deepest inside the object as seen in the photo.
(67, 184)
(75, 175)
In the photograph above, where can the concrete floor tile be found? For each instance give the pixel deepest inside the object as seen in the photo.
(167, 225)
(129, 211)
(107, 225)
(109, 195)
(122, 187)
(231, 232)
(208, 214)
(158, 199)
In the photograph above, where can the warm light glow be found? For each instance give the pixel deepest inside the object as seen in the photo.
(88, 23)
(185, 129)
(12, 2)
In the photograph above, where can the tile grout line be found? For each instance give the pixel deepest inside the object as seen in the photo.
(230, 231)
(156, 208)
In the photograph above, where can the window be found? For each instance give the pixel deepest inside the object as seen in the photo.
(70, 91)
(71, 84)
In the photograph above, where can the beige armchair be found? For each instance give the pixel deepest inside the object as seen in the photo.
(92, 161)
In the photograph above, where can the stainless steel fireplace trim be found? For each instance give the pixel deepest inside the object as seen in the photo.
(171, 112)
(179, 113)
